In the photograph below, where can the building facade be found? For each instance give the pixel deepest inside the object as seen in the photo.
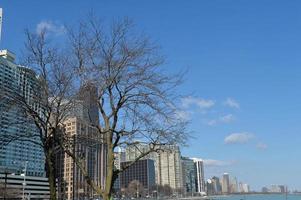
(216, 184)
(142, 171)
(200, 178)
(189, 175)
(167, 161)
(226, 184)
(18, 82)
(11, 187)
(244, 188)
(89, 148)
(233, 185)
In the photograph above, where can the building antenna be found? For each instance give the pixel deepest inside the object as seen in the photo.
(0, 23)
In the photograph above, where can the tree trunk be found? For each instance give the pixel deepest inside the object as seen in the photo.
(109, 177)
(51, 175)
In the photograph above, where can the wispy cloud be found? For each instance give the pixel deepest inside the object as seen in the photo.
(261, 146)
(183, 115)
(199, 102)
(212, 122)
(232, 103)
(50, 27)
(238, 138)
(223, 119)
(227, 118)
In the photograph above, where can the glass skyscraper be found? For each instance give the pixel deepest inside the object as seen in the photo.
(189, 175)
(18, 82)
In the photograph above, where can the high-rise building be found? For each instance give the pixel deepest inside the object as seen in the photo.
(119, 157)
(189, 175)
(87, 97)
(216, 185)
(167, 163)
(233, 185)
(88, 146)
(277, 189)
(225, 183)
(244, 188)
(200, 178)
(142, 171)
(209, 187)
(80, 126)
(21, 82)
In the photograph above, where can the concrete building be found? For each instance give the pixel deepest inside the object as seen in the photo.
(119, 157)
(12, 187)
(217, 188)
(142, 171)
(167, 163)
(189, 175)
(88, 146)
(22, 82)
(244, 188)
(226, 184)
(233, 185)
(200, 178)
(277, 189)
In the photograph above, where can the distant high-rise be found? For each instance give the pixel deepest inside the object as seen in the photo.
(142, 171)
(89, 108)
(233, 185)
(200, 178)
(89, 146)
(216, 185)
(244, 188)
(226, 183)
(189, 175)
(18, 82)
(80, 125)
(167, 163)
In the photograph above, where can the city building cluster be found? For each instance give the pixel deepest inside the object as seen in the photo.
(22, 161)
(164, 172)
(185, 176)
(275, 189)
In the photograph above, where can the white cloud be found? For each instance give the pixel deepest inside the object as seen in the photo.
(51, 27)
(199, 102)
(223, 119)
(227, 118)
(261, 146)
(182, 115)
(212, 122)
(238, 138)
(232, 103)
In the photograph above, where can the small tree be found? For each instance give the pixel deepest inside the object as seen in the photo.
(136, 99)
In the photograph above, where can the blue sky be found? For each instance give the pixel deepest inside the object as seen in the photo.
(244, 78)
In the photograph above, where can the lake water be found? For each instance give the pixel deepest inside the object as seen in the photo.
(258, 197)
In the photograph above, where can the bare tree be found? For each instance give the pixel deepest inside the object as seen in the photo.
(136, 98)
(51, 98)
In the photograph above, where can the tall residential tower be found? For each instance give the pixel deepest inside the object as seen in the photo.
(18, 82)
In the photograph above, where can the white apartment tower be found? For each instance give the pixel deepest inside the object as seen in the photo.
(225, 183)
(200, 178)
(167, 162)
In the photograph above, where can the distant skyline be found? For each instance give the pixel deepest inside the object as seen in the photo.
(242, 89)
